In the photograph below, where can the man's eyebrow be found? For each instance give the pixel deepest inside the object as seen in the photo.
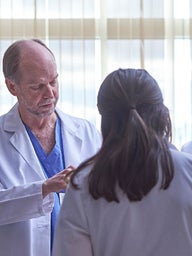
(56, 76)
(32, 81)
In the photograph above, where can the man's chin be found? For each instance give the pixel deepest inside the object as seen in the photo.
(46, 113)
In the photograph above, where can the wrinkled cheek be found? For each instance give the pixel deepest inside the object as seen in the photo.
(56, 95)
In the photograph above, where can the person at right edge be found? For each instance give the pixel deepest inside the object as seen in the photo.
(134, 197)
(187, 147)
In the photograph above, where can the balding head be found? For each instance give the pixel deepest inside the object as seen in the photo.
(19, 51)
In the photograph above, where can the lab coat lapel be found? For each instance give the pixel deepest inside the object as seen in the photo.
(23, 145)
(20, 140)
(72, 140)
(72, 149)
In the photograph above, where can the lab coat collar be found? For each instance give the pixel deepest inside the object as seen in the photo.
(13, 122)
(72, 138)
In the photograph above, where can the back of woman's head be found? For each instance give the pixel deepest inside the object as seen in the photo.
(125, 91)
(136, 127)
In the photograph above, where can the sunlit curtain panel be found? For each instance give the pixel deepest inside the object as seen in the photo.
(91, 38)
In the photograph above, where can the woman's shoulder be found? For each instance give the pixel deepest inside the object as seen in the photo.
(81, 176)
(182, 160)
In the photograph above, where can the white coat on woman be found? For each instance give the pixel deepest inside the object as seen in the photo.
(158, 225)
(24, 214)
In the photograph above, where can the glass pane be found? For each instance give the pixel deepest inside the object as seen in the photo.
(123, 54)
(153, 9)
(181, 9)
(6, 99)
(20, 9)
(183, 90)
(123, 8)
(65, 9)
(76, 68)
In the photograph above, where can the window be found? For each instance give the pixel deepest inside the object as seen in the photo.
(91, 38)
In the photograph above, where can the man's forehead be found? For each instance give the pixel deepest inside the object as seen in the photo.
(41, 79)
(34, 50)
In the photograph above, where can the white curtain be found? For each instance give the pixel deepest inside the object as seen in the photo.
(91, 38)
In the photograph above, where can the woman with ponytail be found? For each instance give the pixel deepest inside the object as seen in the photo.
(134, 197)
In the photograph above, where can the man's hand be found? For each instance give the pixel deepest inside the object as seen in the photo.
(58, 182)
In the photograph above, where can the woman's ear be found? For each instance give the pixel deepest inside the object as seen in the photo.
(11, 86)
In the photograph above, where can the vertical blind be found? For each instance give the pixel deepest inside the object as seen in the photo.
(91, 38)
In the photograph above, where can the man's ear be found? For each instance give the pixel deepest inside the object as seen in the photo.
(11, 86)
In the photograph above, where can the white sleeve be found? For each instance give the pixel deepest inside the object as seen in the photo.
(72, 237)
(23, 202)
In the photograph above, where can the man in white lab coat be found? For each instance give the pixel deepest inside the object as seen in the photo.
(39, 144)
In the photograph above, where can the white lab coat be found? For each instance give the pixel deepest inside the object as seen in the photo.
(24, 214)
(158, 225)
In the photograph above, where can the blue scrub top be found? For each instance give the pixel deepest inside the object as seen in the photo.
(52, 163)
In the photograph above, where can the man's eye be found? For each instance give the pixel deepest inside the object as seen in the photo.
(53, 83)
(35, 88)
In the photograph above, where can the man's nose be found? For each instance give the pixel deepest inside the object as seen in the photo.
(48, 91)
